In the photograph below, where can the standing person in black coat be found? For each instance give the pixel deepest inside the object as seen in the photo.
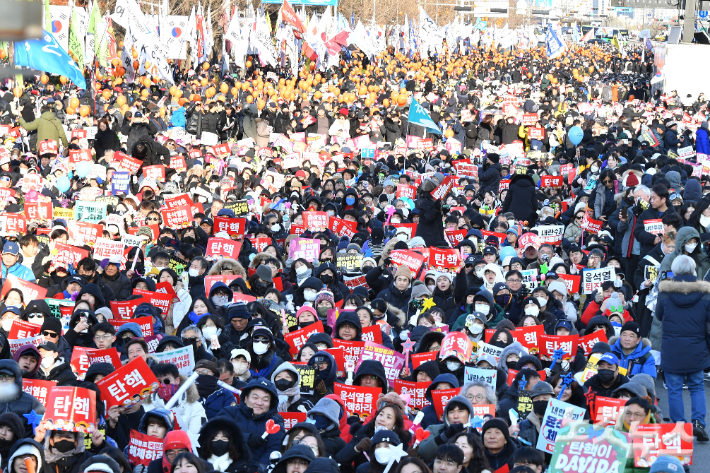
(490, 173)
(136, 128)
(521, 199)
(471, 135)
(105, 139)
(509, 131)
(430, 226)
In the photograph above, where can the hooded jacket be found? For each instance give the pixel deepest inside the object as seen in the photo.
(189, 411)
(29, 348)
(638, 361)
(328, 377)
(349, 318)
(60, 372)
(255, 425)
(65, 462)
(396, 298)
(22, 403)
(430, 417)
(372, 368)
(48, 127)
(513, 348)
(291, 399)
(427, 449)
(521, 199)
(23, 447)
(297, 451)
(234, 433)
(331, 410)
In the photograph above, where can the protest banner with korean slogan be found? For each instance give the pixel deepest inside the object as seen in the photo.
(441, 397)
(458, 345)
(480, 374)
(183, 358)
(391, 360)
(144, 448)
(550, 343)
(233, 226)
(593, 279)
(128, 385)
(145, 323)
(306, 248)
(22, 329)
(653, 440)
(70, 410)
(223, 247)
(38, 388)
(551, 234)
(92, 212)
(416, 391)
(410, 259)
(82, 358)
(580, 447)
(359, 400)
(298, 338)
(30, 291)
(555, 415)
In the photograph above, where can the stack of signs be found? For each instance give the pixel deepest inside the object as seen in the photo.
(555, 415)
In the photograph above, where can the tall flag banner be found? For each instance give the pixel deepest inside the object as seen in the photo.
(59, 24)
(45, 54)
(648, 44)
(589, 35)
(290, 17)
(554, 46)
(200, 25)
(191, 36)
(419, 116)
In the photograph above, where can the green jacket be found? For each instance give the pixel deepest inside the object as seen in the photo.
(48, 128)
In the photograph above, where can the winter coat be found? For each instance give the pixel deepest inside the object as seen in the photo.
(427, 449)
(251, 425)
(48, 127)
(521, 199)
(683, 308)
(597, 388)
(647, 239)
(670, 138)
(60, 372)
(233, 431)
(702, 262)
(23, 403)
(137, 131)
(106, 140)
(157, 153)
(22, 272)
(639, 361)
(177, 119)
(119, 284)
(430, 226)
(65, 462)
(396, 298)
(489, 178)
(430, 416)
(217, 401)
(189, 411)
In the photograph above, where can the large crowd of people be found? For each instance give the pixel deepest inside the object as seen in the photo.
(562, 198)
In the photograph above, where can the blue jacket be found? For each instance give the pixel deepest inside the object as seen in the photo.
(178, 118)
(702, 141)
(22, 272)
(217, 401)
(683, 308)
(635, 362)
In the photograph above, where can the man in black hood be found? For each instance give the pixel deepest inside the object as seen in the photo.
(372, 374)
(87, 269)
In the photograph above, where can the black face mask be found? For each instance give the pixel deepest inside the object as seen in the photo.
(220, 447)
(283, 384)
(366, 269)
(326, 278)
(539, 407)
(260, 287)
(64, 446)
(305, 324)
(6, 445)
(605, 376)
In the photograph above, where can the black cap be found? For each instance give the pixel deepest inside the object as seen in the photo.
(631, 327)
(49, 346)
(490, 250)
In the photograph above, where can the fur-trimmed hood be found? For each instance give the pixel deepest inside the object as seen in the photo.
(684, 287)
(228, 263)
(398, 314)
(192, 394)
(259, 259)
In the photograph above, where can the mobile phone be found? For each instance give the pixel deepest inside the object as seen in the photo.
(624, 212)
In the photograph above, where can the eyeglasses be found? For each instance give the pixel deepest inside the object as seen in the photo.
(579, 217)
(261, 340)
(635, 415)
(189, 340)
(6, 377)
(477, 398)
(514, 280)
(106, 336)
(35, 316)
(607, 181)
(49, 334)
(152, 219)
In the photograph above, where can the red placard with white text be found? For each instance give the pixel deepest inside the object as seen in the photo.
(70, 409)
(223, 247)
(143, 448)
(128, 385)
(38, 388)
(233, 226)
(441, 397)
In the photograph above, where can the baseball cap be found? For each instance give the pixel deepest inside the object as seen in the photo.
(49, 346)
(11, 247)
(609, 358)
(490, 250)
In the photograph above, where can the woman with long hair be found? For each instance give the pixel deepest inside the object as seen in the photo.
(223, 445)
(474, 457)
(187, 463)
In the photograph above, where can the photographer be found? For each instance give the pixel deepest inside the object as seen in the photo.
(137, 127)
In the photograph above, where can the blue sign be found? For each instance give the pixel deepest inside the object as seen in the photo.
(368, 153)
(314, 3)
(120, 183)
(702, 14)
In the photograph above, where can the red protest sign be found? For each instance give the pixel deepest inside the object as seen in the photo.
(78, 155)
(550, 343)
(223, 247)
(178, 163)
(441, 397)
(372, 334)
(178, 217)
(339, 355)
(70, 409)
(587, 342)
(571, 281)
(143, 448)
(81, 134)
(359, 400)
(419, 358)
(536, 133)
(292, 418)
(530, 119)
(39, 210)
(128, 163)
(444, 259)
(30, 291)
(442, 189)
(391, 360)
(221, 150)
(38, 388)
(167, 288)
(410, 228)
(211, 280)
(607, 409)
(455, 236)
(156, 171)
(591, 225)
(529, 337)
(315, 221)
(161, 301)
(124, 309)
(146, 323)
(15, 223)
(194, 154)
(416, 391)
(180, 200)
(512, 373)
(405, 190)
(551, 181)
(128, 385)
(47, 147)
(82, 358)
(233, 226)
(298, 338)
(504, 184)
(653, 440)
(85, 232)
(22, 329)
(260, 244)
(351, 350)
(458, 345)
(342, 227)
(410, 259)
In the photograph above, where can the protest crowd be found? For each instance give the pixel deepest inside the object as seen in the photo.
(466, 259)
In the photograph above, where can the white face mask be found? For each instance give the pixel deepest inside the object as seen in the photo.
(532, 310)
(240, 368)
(302, 270)
(453, 365)
(690, 247)
(476, 329)
(704, 221)
(431, 287)
(482, 308)
(260, 348)
(193, 272)
(542, 301)
(8, 391)
(209, 332)
(220, 301)
(309, 295)
(382, 455)
(47, 362)
(594, 169)
(479, 273)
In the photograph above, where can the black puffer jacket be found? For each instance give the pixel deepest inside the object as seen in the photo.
(430, 226)
(119, 284)
(521, 199)
(396, 298)
(157, 153)
(136, 131)
(490, 177)
(106, 140)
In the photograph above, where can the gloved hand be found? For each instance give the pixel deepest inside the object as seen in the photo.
(140, 469)
(363, 445)
(320, 387)
(448, 434)
(599, 297)
(254, 442)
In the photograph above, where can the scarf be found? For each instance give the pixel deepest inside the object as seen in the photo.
(288, 397)
(221, 463)
(206, 385)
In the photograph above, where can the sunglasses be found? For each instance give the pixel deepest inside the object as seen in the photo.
(37, 316)
(49, 334)
(151, 219)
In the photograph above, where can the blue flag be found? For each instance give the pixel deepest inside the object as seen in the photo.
(45, 54)
(419, 116)
(553, 45)
(649, 45)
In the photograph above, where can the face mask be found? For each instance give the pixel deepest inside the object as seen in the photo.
(64, 446)
(8, 391)
(47, 363)
(394, 221)
(431, 288)
(605, 376)
(323, 311)
(260, 348)
(476, 329)
(366, 269)
(275, 228)
(453, 365)
(482, 308)
(532, 310)
(502, 300)
(6, 325)
(704, 221)
(326, 278)
(690, 247)
(193, 272)
(350, 200)
(595, 169)
(382, 455)
(259, 287)
(479, 273)
(166, 391)
(219, 447)
(303, 271)
(220, 301)
(209, 332)
(542, 301)
(240, 368)
(539, 407)
(309, 295)
(283, 384)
